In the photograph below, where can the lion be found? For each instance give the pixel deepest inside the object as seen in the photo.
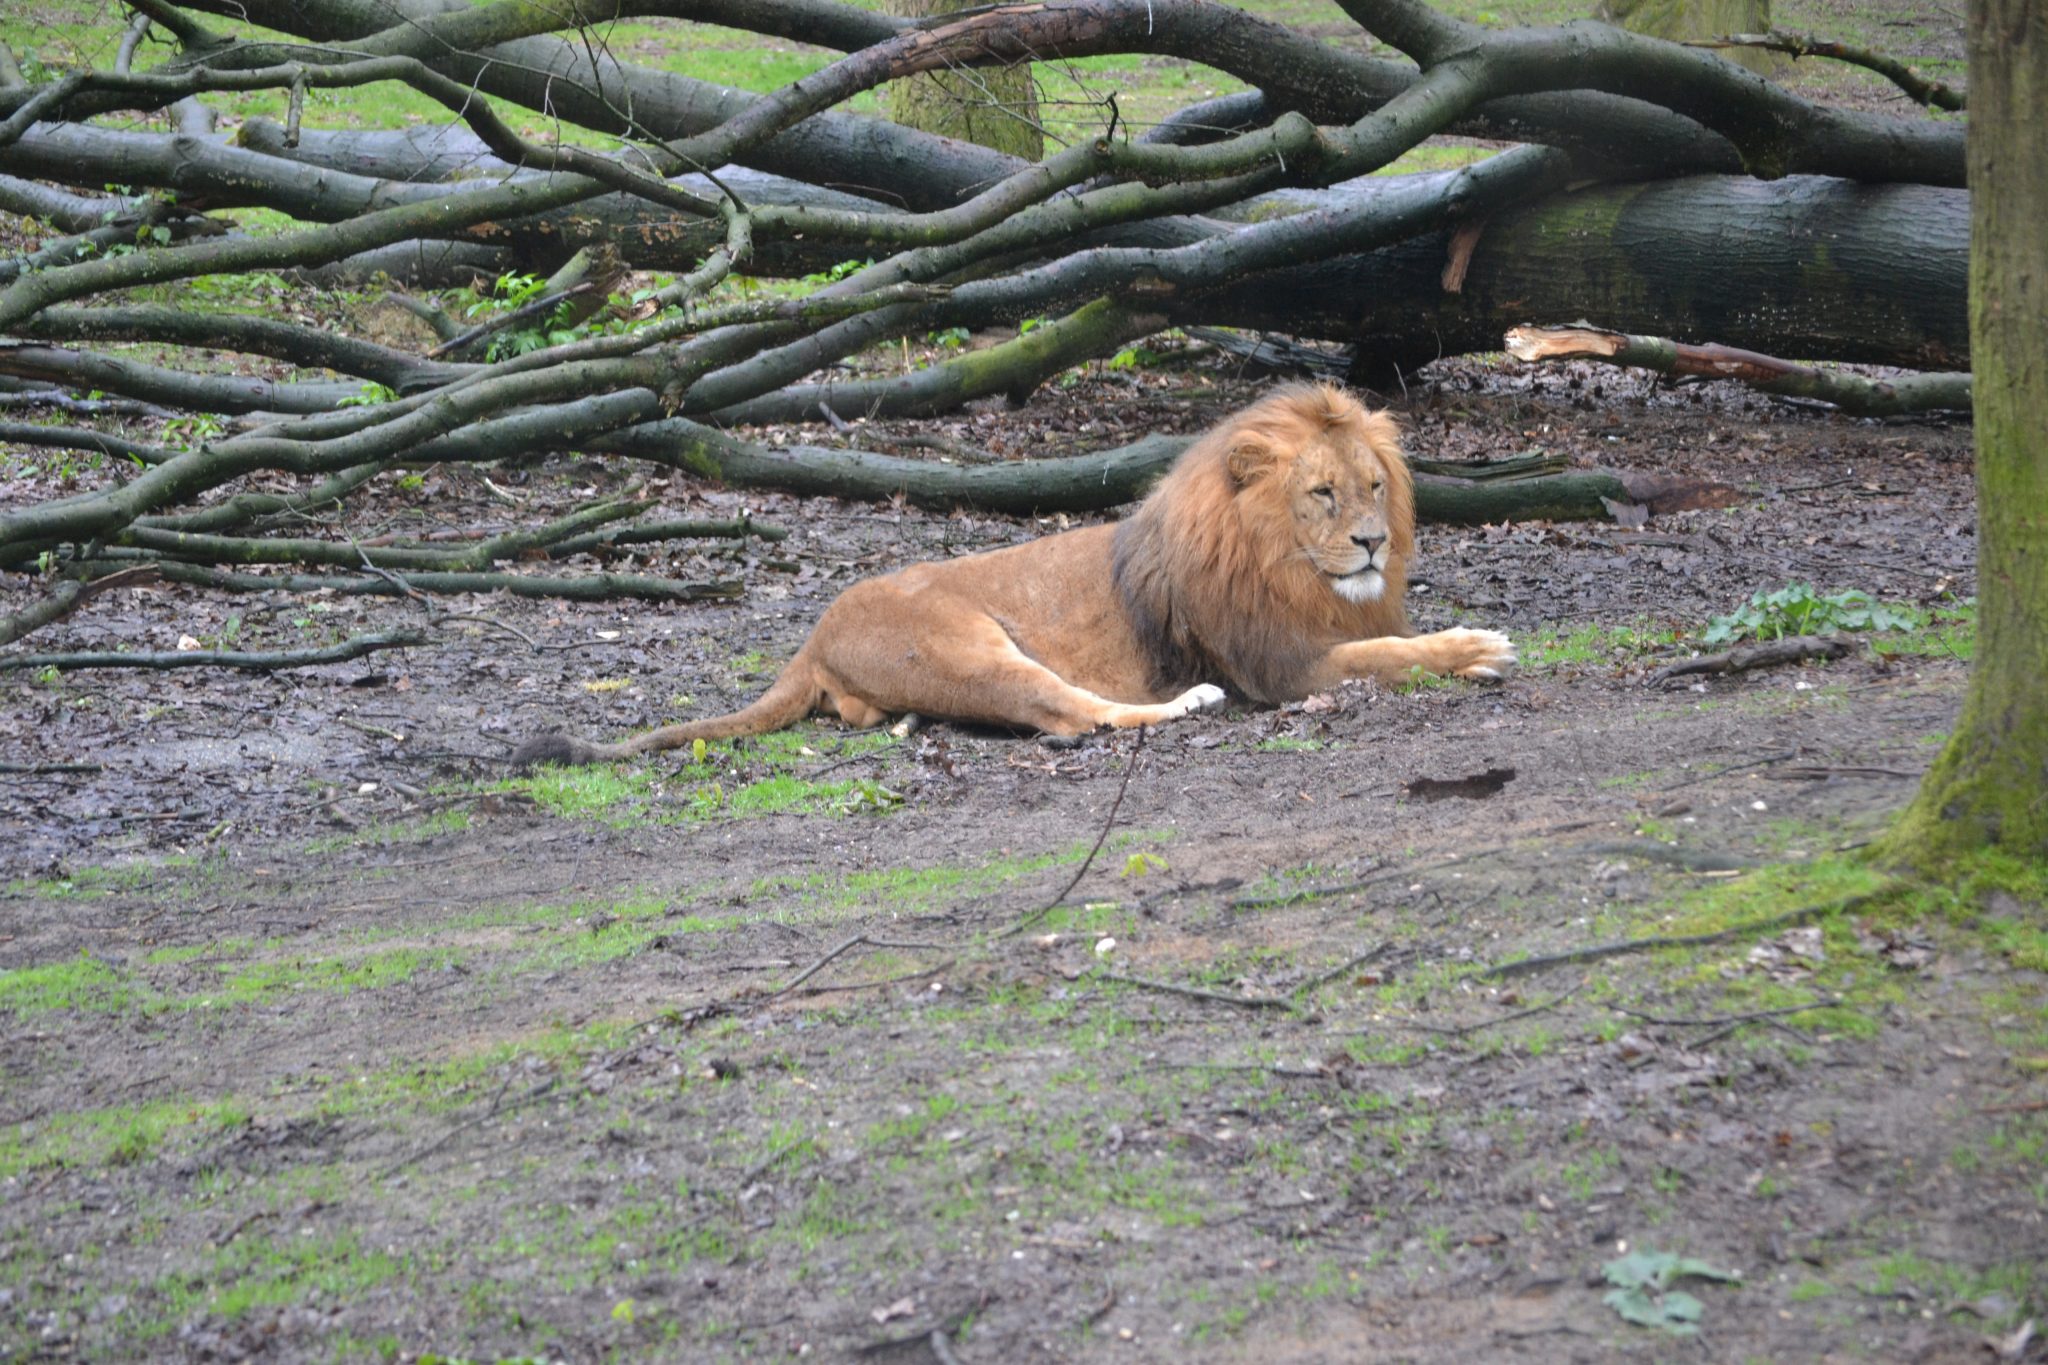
(1271, 560)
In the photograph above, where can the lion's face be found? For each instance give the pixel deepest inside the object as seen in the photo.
(1337, 472)
(1338, 497)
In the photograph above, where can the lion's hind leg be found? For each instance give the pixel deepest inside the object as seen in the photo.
(969, 668)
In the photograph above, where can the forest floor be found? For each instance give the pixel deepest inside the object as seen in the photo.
(326, 1039)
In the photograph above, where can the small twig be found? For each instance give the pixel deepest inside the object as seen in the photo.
(1108, 824)
(1766, 761)
(1595, 952)
(2017, 1107)
(447, 618)
(1312, 893)
(1246, 1002)
(942, 1349)
(42, 769)
(1791, 650)
(496, 1107)
(848, 762)
(1464, 1030)
(376, 731)
(858, 940)
(932, 970)
(1316, 983)
(1710, 1020)
(766, 1163)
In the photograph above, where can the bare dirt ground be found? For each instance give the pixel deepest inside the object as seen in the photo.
(322, 1041)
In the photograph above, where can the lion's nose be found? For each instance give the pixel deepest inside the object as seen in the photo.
(1369, 544)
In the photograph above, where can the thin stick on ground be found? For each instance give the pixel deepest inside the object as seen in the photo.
(1711, 1020)
(1316, 983)
(847, 946)
(262, 661)
(1464, 1030)
(1770, 654)
(1243, 1002)
(1108, 823)
(497, 1107)
(1502, 971)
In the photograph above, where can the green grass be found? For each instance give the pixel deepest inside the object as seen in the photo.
(1556, 647)
(730, 779)
(119, 1135)
(83, 983)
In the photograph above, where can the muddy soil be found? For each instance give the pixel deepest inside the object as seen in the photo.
(325, 1042)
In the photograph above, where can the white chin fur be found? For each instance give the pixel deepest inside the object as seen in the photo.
(1365, 586)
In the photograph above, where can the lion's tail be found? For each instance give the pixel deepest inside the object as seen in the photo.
(788, 700)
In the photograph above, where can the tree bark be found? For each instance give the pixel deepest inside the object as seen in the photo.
(994, 108)
(1988, 790)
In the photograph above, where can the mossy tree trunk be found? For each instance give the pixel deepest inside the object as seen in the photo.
(993, 106)
(1989, 788)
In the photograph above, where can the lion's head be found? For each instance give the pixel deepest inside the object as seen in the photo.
(1280, 533)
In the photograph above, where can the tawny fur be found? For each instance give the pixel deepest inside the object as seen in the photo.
(1272, 559)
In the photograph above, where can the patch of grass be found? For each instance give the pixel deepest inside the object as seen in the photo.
(246, 982)
(731, 778)
(2019, 1282)
(1290, 744)
(1554, 647)
(95, 880)
(119, 1135)
(83, 983)
(417, 830)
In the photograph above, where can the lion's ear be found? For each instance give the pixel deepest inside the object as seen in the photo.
(1248, 459)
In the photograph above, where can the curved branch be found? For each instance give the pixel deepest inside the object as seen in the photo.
(1915, 86)
(294, 343)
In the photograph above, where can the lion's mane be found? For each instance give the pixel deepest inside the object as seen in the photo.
(1208, 568)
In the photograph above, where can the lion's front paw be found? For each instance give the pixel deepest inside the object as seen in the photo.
(1472, 653)
(1202, 697)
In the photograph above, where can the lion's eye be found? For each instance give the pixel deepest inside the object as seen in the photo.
(1379, 486)
(1326, 493)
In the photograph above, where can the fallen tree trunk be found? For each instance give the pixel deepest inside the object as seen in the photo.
(1806, 267)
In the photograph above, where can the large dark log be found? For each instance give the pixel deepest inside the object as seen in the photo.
(1806, 267)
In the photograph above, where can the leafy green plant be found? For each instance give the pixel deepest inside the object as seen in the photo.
(836, 273)
(371, 396)
(1643, 1293)
(1796, 609)
(194, 431)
